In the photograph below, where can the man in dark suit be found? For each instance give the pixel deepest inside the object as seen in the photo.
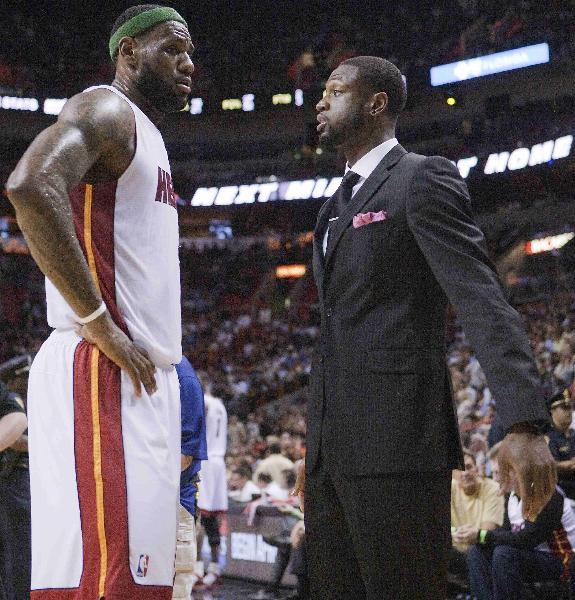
(393, 246)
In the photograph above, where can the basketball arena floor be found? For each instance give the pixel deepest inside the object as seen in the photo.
(232, 589)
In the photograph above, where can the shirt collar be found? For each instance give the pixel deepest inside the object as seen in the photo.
(367, 163)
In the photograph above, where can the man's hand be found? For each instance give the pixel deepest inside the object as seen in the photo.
(466, 534)
(117, 346)
(185, 462)
(300, 484)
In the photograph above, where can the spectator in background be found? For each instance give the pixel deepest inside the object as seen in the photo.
(270, 488)
(564, 369)
(303, 72)
(252, 428)
(275, 463)
(561, 440)
(472, 368)
(213, 495)
(237, 435)
(475, 504)
(15, 549)
(241, 487)
(537, 540)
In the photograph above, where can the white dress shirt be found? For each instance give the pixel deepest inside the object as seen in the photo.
(364, 167)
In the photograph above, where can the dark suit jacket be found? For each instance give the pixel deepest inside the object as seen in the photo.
(380, 397)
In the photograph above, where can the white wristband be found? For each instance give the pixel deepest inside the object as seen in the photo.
(100, 310)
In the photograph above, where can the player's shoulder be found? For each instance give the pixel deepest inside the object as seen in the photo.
(99, 112)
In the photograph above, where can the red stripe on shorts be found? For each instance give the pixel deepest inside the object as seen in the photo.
(120, 584)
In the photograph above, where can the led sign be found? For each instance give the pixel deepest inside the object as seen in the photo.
(281, 99)
(54, 106)
(519, 158)
(17, 103)
(490, 64)
(196, 106)
(290, 271)
(546, 244)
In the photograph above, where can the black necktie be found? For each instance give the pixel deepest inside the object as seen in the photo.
(343, 193)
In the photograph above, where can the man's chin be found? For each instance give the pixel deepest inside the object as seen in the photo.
(327, 141)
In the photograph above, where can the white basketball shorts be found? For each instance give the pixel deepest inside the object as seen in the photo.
(104, 475)
(213, 486)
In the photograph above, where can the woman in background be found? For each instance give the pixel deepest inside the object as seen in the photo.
(537, 538)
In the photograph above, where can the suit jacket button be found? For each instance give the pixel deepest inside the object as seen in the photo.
(328, 312)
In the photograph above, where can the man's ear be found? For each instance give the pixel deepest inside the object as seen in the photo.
(379, 104)
(126, 49)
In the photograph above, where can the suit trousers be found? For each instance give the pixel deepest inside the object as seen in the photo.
(383, 537)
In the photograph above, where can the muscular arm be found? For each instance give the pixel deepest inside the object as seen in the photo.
(95, 129)
(92, 142)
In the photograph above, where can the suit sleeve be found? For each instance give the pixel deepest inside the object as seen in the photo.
(440, 219)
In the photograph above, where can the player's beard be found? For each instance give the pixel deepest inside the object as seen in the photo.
(158, 92)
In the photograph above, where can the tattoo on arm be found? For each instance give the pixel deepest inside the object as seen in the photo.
(94, 131)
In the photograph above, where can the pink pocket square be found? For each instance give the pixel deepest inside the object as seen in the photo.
(362, 219)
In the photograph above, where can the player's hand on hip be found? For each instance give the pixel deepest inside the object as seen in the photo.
(300, 484)
(119, 348)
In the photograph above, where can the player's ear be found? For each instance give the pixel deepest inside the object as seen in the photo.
(126, 50)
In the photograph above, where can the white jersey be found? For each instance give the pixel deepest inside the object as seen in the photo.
(128, 231)
(216, 426)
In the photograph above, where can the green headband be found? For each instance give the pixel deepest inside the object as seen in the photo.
(143, 22)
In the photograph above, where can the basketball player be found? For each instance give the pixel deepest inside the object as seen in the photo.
(213, 493)
(94, 198)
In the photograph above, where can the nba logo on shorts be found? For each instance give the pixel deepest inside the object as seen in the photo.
(143, 565)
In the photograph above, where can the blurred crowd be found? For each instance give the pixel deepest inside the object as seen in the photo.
(253, 335)
(285, 44)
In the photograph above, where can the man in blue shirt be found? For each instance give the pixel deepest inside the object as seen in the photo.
(194, 450)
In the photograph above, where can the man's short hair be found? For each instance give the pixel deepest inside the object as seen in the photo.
(382, 76)
(243, 470)
(275, 448)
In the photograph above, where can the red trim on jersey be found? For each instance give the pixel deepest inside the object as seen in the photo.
(102, 230)
(120, 584)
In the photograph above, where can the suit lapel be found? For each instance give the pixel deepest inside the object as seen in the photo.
(365, 193)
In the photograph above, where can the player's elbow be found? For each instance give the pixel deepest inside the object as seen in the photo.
(18, 188)
(27, 194)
